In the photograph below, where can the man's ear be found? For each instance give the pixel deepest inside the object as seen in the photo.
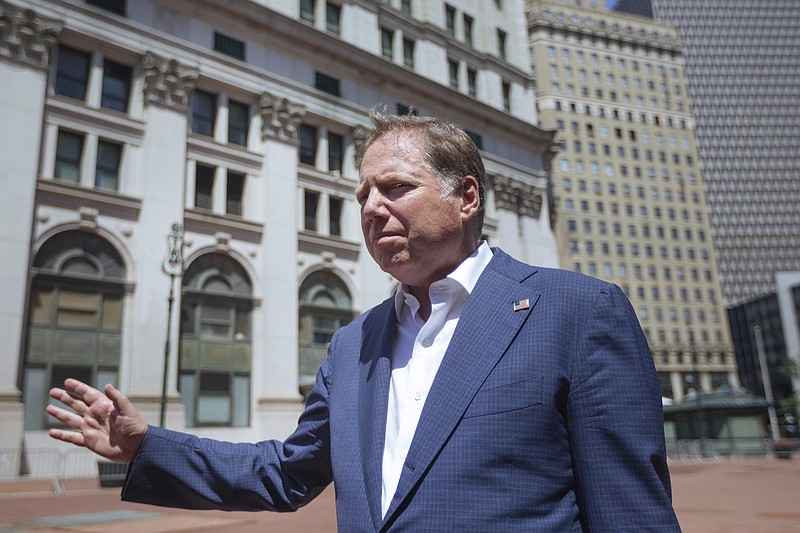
(470, 197)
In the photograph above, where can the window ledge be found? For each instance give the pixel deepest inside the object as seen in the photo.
(210, 223)
(57, 194)
(311, 242)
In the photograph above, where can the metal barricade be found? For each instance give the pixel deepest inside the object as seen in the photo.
(715, 449)
(58, 465)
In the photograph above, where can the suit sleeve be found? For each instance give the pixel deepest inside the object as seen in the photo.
(615, 424)
(175, 469)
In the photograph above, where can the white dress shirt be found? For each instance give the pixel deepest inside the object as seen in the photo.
(418, 350)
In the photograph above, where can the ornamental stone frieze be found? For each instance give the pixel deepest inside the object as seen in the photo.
(27, 36)
(280, 118)
(514, 195)
(167, 82)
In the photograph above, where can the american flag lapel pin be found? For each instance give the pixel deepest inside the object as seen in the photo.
(521, 305)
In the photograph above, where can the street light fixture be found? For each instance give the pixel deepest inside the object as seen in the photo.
(698, 394)
(173, 267)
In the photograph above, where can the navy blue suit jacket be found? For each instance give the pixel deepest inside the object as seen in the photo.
(542, 419)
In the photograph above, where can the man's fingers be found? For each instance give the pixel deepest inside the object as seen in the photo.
(121, 402)
(65, 417)
(69, 399)
(73, 437)
(85, 392)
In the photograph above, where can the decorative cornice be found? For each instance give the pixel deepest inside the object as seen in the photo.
(517, 196)
(27, 36)
(280, 118)
(167, 82)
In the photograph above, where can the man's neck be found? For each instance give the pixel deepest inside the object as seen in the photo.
(422, 291)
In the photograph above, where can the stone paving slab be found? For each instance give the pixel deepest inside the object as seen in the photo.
(750, 495)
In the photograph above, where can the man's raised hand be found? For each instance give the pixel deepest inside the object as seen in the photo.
(105, 422)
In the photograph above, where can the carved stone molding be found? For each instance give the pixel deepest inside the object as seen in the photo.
(88, 218)
(223, 241)
(280, 119)
(514, 195)
(167, 82)
(360, 134)
(27, 36)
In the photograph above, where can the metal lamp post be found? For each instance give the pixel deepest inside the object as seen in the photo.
(173, 267)
(698, 398)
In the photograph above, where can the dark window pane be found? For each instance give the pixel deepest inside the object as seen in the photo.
(501, 44)
(468, 22)
(308, 144)
(335, 215)
(403, 110)
(229, 46)
(476, 138)
(453, 67)
(333, 14)
(472, 78)
(335, 152)
(307, 10)
(115, 6)
(60, 373)
(72, 72)
(408, 53)
(216, 321)
(238, 121)
(327, 84)
(116, 86)
(215, 382)
(450, 20)
(235, 190)
(68, 157)
(387, 41)
(204, 112)
(107, 170)
(311, 203)
(204, 187)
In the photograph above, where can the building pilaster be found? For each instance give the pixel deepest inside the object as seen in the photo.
(26, 41)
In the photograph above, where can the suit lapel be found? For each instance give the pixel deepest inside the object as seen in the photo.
(373, 396)
(487, 326)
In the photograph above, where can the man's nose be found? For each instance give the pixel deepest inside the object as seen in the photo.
(374, 205)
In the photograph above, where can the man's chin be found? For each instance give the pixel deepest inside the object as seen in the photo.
(394, 264)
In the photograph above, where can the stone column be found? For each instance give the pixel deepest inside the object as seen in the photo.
(275, 367)
(26, 40)
(167, 86)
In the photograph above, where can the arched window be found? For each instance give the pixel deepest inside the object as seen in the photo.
(74, 320)
(215, 350)
(325, 306)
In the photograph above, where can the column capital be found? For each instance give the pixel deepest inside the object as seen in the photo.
(27, 36)
(167, 82)
(280, 118)
(360, 134)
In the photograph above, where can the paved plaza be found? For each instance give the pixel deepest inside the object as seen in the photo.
(750, 495)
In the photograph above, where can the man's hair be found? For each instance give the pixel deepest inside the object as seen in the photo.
(448, 150)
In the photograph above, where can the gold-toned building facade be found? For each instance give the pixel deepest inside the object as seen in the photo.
(628, 188)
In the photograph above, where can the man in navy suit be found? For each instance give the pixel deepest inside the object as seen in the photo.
(486, 395)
